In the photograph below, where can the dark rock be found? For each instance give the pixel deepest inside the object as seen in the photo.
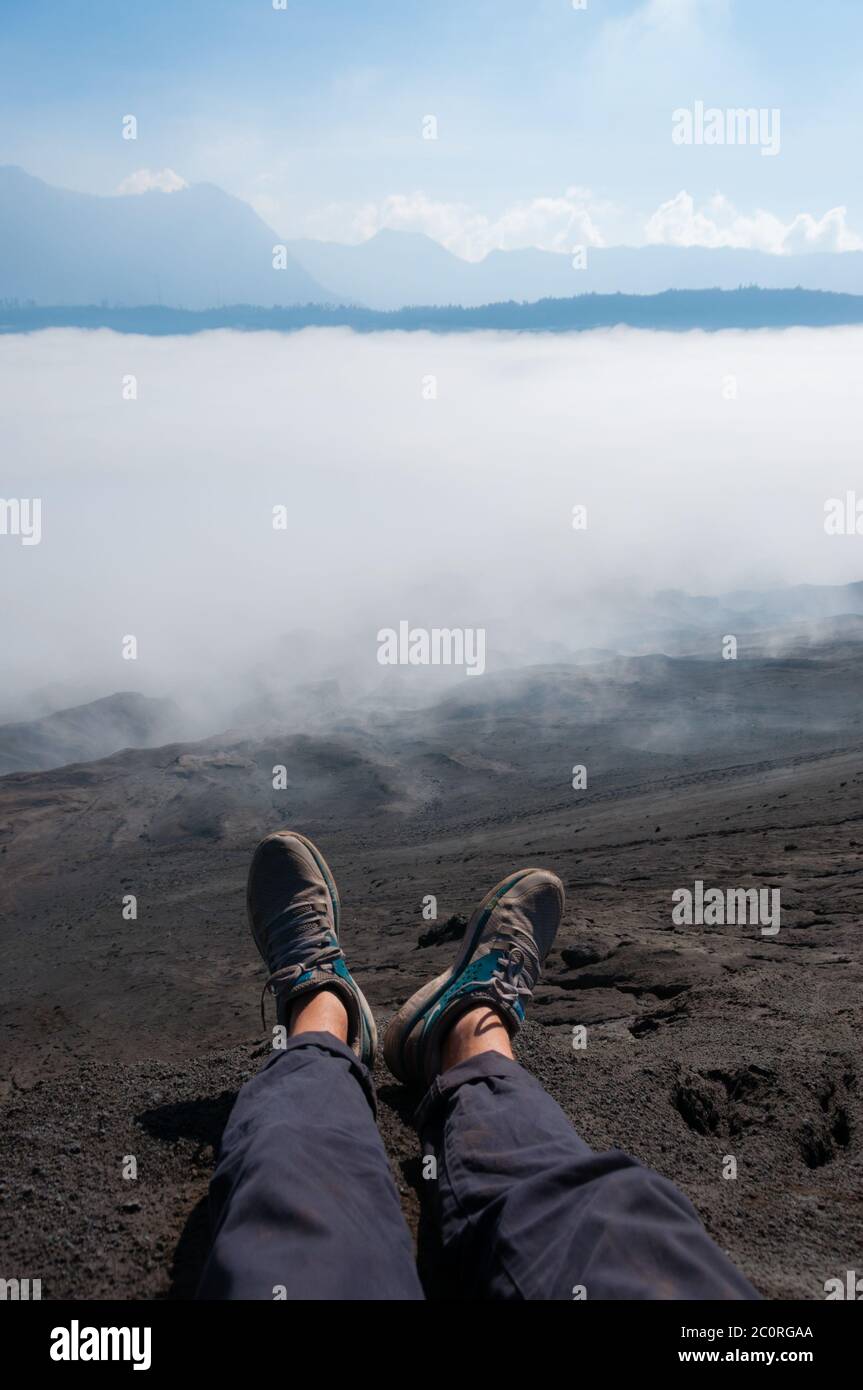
(576, 956)
(452, 929)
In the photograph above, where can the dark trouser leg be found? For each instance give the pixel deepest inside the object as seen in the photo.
(303, 1202)
(527, 1210)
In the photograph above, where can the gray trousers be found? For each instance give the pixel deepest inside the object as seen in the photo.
(304, 1206)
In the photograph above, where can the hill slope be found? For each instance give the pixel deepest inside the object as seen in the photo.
(94, 730)
(132, 1036)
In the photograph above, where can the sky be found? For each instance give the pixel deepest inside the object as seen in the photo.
(553, 121)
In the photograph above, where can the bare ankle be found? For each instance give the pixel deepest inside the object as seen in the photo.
(479, 1030)
(321, 1012)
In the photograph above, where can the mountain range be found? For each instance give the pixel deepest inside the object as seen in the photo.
(201, 248)
(197, 248)
(123, 720)
(395, 269)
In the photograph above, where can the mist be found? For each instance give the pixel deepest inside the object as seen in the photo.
(422, 478)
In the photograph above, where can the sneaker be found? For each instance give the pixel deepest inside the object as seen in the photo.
(505, 945)
(293, 907)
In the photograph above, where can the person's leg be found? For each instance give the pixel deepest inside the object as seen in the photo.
(526, 1209)
(303, 1202)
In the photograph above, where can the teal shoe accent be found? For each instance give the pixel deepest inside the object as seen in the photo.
(498, 962)
(477, 974)
(293, 909)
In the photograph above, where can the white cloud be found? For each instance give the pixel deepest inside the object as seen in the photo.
(718, 223)
(671, 15)
(660, 32)
(148, 180)
(574, 218)
(585, 402)
(550, 223)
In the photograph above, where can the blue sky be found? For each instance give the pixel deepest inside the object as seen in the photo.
(554, 124)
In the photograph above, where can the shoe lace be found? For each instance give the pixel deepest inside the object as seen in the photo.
(517, 971)
(307, 945)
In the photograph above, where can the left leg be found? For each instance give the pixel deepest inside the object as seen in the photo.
(304, 1203)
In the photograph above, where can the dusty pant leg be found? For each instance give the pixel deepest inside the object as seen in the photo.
(527, 1210)
(302, 1198)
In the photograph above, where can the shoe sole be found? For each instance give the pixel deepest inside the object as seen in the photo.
(402, 1035)
(329, 879)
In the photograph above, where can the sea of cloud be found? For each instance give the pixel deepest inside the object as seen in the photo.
(420, 477)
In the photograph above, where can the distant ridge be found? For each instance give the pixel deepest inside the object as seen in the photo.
(196, 247)
(394, 269)
(671, 311)
(94, 730)
(202, 248)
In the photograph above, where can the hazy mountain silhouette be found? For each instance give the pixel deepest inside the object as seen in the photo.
(198, 247)
(201, 248)
(397, 269)
(651, 628)
(94, 730)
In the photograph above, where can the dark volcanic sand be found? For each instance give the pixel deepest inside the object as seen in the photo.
(132, 1037)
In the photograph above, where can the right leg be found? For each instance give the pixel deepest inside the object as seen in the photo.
(526, 1209)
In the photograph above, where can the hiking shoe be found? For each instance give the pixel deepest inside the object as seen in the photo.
(293, 907)
(505, 944)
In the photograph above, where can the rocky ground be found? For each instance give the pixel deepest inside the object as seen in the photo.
(130, 1037)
